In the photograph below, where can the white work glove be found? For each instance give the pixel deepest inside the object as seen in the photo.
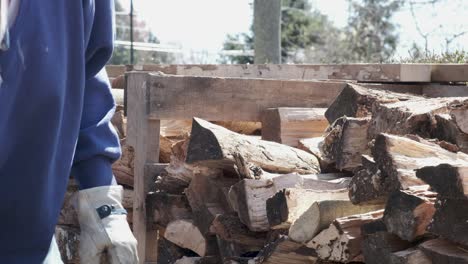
(104, 226)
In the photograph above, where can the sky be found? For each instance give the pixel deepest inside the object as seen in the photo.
(202, 25)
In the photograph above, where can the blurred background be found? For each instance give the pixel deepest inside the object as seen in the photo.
(312, 31)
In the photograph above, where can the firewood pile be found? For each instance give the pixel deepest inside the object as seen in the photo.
(385, 182)
(380, 176)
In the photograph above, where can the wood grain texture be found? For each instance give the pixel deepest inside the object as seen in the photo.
(230, 99)
(287, 125)
(360, 72)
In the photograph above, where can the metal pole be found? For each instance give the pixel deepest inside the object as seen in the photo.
(131, 33)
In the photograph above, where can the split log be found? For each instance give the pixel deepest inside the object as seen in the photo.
(398, 157)
(408, 213)
(208, 197)
(357, 101)
(342, 241)
(313, 145)
(169, 252)
(164, 208)
(285, 251)
(214, 146)
(451, 220)
(287, 205)
(441, 252)
(409, 117)
(345, 141)
(322, 213)
(448, 130)
(229, 228)
(287, 125)
(185, 234)
(367, 184)
(379, 245)
(248, 197)
(449, 181)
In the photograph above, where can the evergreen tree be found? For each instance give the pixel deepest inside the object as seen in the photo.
(371, 35)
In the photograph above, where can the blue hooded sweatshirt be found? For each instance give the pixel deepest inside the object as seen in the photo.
(55, 110)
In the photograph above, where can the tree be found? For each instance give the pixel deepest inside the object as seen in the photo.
(302, 29)
(371, 35)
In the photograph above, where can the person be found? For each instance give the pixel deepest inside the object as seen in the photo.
(55, 111)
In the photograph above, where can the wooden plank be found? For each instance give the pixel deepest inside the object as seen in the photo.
(143, 135)
(359, 72)
(437, 90)
(231, 99)
(449, 72)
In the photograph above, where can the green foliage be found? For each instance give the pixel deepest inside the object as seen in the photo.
(301, 29)
(371, 34)
(417, 55)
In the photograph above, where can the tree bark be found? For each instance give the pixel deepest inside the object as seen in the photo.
(345, 142)
(449, 181)
(451, 220)
(408, 213)
(285, 251)
(357, 101)
(367, 184)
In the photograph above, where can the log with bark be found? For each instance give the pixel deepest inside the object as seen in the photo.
(409, 117)
(449, 181)
(442, 251)
(451, 220)
(214, 146)
(163, 208)
(380, 246)
(409, 212)
(448, 130)
(249, 197)
(398, 157)
(235, 239)
(345, 141)
(287, 125)
(367, 183)
(322, 213)
(357, 101)
(199, 260)
(342, 240)
(169, 252)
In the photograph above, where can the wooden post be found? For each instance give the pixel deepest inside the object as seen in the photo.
(143, 135)
(267, 29)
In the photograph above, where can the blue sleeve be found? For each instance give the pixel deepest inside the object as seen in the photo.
(98, 144)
